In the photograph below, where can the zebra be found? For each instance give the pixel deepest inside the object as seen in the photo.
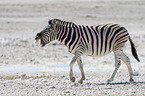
(91, 40)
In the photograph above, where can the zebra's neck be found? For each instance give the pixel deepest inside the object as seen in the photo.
(64, 33)
(68, 35)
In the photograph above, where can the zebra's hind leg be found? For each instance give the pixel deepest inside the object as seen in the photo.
(80, 64)
(117, 54)
(126, 60)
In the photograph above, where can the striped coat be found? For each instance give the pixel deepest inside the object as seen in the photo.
(91, 40)
(96, 40)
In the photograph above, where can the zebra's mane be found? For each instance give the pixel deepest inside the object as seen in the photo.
(65, 22)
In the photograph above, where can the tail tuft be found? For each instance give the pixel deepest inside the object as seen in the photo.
(133, 50)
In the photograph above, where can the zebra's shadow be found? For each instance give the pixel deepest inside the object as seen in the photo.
(105, 84)
(121, 83)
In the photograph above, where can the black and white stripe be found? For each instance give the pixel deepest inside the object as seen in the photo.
(96, 40)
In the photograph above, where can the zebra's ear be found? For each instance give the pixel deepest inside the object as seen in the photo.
(51, 22)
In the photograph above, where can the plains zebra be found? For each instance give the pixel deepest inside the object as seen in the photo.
(91, 40)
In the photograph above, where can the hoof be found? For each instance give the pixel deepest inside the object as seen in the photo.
(81, 81)
(131, 80)
(109, 80)
(72, 79)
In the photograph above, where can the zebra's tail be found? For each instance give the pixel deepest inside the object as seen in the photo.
(134, 52)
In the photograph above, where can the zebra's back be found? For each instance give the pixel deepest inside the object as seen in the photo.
(102, 39)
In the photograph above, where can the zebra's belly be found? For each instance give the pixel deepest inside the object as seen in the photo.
(89, 53)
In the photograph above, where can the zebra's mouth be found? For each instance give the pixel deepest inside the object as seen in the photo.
(41, 42)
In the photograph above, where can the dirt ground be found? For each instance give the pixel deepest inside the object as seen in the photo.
(28, 69)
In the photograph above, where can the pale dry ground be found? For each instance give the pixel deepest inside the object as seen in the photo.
(28, 69)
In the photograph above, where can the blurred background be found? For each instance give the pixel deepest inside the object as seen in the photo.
(21, 20)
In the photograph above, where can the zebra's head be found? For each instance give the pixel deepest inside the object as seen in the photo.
(48, 34)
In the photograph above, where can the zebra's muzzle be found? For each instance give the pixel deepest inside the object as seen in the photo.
(41, 42)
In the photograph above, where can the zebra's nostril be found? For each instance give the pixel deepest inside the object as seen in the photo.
(38, 36)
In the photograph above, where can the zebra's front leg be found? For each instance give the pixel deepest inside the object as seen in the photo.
(80, 64)
(117, 64)
(72, 78)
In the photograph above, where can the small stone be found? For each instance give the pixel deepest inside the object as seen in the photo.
(52, 87)
(36, 87)
(23, 76)
(62, 76)
(133, 92)
(67, 92)
(45, 81)
(1, 55)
